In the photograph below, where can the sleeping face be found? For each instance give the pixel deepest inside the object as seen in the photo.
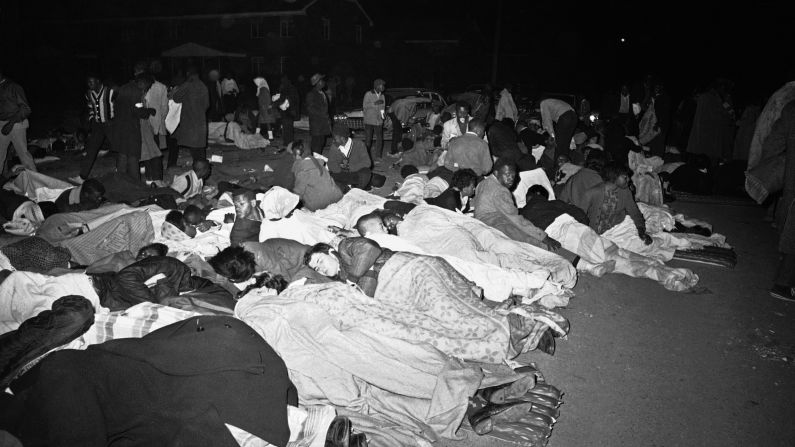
(325, 264)
(391, 222)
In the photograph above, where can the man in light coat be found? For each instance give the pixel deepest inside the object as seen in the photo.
(373, 107)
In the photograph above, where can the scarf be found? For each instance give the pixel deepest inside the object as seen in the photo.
(260, 82)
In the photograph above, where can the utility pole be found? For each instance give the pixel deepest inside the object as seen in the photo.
(495, 58)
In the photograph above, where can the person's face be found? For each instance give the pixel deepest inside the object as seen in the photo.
(298, 154)
(462, 113)
(243, 206)
(204, 172)
(95, 198)
(320, 84)
(94, 84)
(506, 176)
(339, 140)
(622, 181)
(468, 190)
(325, 264)
(391, 221)
(379, 88)
(376, 226)
(193, 219)
(146, 253)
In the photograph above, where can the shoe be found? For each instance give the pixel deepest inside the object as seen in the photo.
(70, 317)
(339, 432)
(547, 343)
(77, 180)
(785, 293)
(358, 440)
(483, 421)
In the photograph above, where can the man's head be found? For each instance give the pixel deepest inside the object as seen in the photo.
(299, 150)
(177, 219)
(562, 160)
(505, 172)
(92, 193)
(323, 259)
(465, 181)
(596, 161)
(462, 111)
(391, 220)
(244, 200)
(370, 224)
(408, 170)
(193, 215)
(379, 85)
(214, 75)
(317, 80)
(94, 83)
(624, 89)
(139, 67)
(234, 263)
(477, 127)
(537, 191)
(340, 134)
(144, 81)
(618, 175)
(202, 168)
(191, 71)
(156, 249)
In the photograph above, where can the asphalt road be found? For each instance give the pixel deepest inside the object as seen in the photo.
(643, 366)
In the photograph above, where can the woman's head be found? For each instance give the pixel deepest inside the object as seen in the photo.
(465, 181)
(323, 259)
(152, 250)
(234, 263)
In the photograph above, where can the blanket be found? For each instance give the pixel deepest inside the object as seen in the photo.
(231, 134)
(204, 244)
(399, 393)
(443, 232)
(112, 229)
(592, 247)
(37, 186)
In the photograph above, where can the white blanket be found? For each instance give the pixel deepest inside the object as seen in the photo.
(37, 186)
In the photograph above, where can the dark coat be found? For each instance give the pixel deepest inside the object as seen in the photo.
(215, 111)
(543, 212)
(119, 291)
(192, 128)
(177, 385)
(125, 135)
(289, 92)
(317, 109)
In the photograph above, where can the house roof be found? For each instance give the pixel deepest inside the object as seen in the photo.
(95, 11)
(192, 49)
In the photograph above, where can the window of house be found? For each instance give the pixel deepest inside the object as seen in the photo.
(257, 30)
(357, 34)
(284, 64)
(257, 65)
(286, 27)
(175, 30)
(127, 33)
(326, 31)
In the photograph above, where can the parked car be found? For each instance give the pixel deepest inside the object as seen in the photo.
(422, 102)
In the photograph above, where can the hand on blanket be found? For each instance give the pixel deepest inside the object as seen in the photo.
(552, 244)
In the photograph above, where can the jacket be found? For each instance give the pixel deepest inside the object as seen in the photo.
(119, 291)
(373, 105)
(314, 184)
(125, 135)
(358, 158)
(177, 386)
(468, 152)
(361, 260)
(192, 128)
(317, 109)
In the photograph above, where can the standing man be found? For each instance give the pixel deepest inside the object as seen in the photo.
(99, 100)
(457, 126)
(126, 126)
(317, 109)
(506, 108)
(559, 120)
(14, 112)
(157, 98)
(216, 95)
(289, 103)
(191, 133)
(374, 114)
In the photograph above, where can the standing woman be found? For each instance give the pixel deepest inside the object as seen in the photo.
(267, 116)
(126, 125)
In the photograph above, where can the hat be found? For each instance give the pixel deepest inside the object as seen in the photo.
(341, 130)
(316, 78)
(378, 82)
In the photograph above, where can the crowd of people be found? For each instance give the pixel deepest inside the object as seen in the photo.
(203, 312)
